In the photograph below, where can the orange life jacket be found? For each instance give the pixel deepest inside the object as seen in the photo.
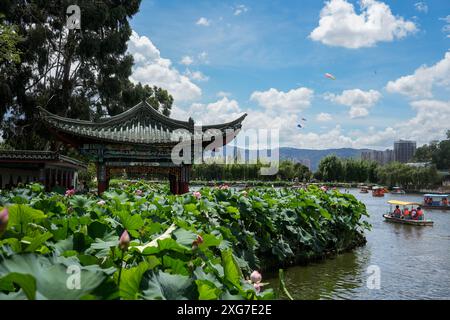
(406, 213)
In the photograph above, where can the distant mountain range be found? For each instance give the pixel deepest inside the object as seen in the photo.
(308, 157)
(315, 156)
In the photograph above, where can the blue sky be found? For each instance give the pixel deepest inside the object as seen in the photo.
(268, 59)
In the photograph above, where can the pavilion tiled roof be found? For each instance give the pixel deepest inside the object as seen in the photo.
(141, 124)
(39, 156)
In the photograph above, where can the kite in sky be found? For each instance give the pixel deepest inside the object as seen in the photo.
(299, 125)
(330, 76)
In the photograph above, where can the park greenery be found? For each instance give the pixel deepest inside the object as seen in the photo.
(288, 170)
(139, 242)
(331, 169)
(334, 169)
(437, 152)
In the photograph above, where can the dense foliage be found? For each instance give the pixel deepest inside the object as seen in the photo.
(332, 168)
(202, 245)
(8, 43)
(288, 170)
(437, 152)
(399, 174)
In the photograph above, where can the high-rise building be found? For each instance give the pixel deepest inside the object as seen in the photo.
(381, 157)
(389, 156)
(404, 150)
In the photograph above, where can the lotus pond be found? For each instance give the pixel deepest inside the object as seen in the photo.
(137, 241)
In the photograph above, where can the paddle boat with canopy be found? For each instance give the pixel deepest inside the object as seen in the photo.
(378, 192)
(364, 189)
(391, 216)
(436, 202)
(398, 190)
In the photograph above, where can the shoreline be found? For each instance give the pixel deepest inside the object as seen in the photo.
(348, 185)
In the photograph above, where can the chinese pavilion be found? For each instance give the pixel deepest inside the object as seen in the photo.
(139, 140)
(47, 167)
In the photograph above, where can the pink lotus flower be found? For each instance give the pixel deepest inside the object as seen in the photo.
(256, 277)
(199, 239)
(258, 287)
(124, 241)
(4, 217)
(324, 189)
(101, 202)
(197, 194)
(224, 187)
(70, 192)
(139, 192)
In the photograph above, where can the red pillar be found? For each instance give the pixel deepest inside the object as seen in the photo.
(184, 179)
(102, 178)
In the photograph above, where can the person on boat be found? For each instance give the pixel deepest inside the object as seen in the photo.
(445, 202)
(412, 213)
(397, 212)
(406, 214)
(419, 214)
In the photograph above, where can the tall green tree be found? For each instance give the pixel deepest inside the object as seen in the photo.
(9, 53)
(82, 73)
(331, 168)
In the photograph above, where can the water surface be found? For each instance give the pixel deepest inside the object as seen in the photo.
(414, 262)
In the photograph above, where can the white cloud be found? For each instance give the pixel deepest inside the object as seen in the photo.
(430, 123)
(223, 94)
(223, 110)
(203, 22)
(294, 100)
(196, 75)
(421, 7)
(187, 60)
(240, 9)
(323, 117)
(203, 57)
(421, 83)
(150, 68)
(340, 25)
(446, 28)
(358, 100)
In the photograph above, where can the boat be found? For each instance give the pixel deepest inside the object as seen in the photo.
(398, 190)
(364, 189)
(436, 202)
(377, 192)
(390, 218)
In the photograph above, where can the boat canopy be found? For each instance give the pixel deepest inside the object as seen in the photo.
(436, 195)
(403, 203)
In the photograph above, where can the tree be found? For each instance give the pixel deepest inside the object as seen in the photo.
(155, 96)
(441, 157)
(425, 152)
(331, 168)
(9, 53)
(81, 74)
